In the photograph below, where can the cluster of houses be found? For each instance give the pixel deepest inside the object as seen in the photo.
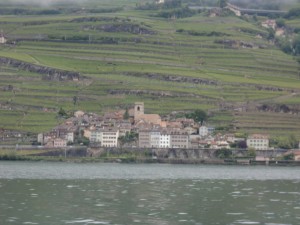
(152, 132)
(271, 24)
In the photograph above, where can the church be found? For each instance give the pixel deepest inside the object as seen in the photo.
(139, 115)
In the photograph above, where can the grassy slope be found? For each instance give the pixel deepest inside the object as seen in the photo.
(108, 67)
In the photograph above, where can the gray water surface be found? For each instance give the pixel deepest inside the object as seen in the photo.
(70, 193)
(58, 170)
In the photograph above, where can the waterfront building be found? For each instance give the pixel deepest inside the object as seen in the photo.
(165, 139)
(179, 139)
(258, 141)
(144, 139)
(154, 138)
(107, 137)
(59, 143)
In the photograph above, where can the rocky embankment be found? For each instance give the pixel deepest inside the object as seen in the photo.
(279, 108)
(194, 80)
(47, 72)
(173, 78)
(156, 93)
(123, 27)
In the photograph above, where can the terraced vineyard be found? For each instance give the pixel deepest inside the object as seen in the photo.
(129, 55)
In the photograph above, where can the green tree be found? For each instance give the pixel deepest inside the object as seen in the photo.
(128, 138)
(296, 45)
(62, 113)
(75, 99)
(251, 152)
(198, 115)
(289, 157)
(126, 114)
(222, 3)
(280, 22)
(223, 153)
(172, 4)
(286, 142)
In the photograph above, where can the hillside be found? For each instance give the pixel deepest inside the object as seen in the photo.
(120, 54)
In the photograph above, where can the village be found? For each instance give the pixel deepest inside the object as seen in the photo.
(134, 129)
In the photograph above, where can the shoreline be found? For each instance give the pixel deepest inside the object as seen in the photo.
(138, 160)
(82, 154)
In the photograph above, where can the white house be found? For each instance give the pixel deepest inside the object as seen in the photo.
(110, 137)
(258, 142)
(154, 139)
(165, 140)
(40, 138)
(70, 137)
(159, 1)
(96, 136)
(107, 137)
(2, 39)
(203, 131)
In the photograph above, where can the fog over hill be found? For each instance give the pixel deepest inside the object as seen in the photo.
(265, 4)
(40, 2)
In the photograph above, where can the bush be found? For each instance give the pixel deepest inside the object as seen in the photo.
(198, 116)
(289, 157)
(207, 34)
(293, 13)
(223, 153)
(251, 152)
(177, 13)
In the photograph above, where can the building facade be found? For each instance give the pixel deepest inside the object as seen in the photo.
(154, 138)
(179, 139)
(2, 39)
(107, 137)
(59, 143)
(203, 131)
(258, 142)
(165, 140)
(144, 139)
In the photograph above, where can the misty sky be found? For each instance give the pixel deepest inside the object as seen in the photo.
(41, 2)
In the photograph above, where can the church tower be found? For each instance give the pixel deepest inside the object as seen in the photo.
(138, 109)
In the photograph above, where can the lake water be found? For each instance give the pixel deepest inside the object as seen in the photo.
(70, 193)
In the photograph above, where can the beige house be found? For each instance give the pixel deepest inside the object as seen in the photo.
(144, 139)
(280, 32)
(179, 139)
(79, 113)
(297, 155)
(258, 141)
(59, 143)
(269, 24)
(107, 137)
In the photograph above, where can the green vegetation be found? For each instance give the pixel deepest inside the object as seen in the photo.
(284, 142)
(289, 157)
(223, 153)
(128, 138)
(199, 116)
(124, 54)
